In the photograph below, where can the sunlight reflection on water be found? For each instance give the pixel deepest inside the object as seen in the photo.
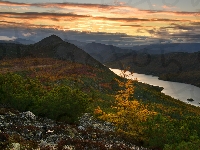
(176, 90)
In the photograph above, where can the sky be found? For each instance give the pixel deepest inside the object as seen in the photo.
(121, 23)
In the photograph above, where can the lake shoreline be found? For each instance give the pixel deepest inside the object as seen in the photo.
(177, 90)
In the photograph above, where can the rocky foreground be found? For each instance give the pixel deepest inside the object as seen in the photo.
(24, 131)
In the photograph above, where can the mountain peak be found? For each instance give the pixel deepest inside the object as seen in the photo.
(53, 39)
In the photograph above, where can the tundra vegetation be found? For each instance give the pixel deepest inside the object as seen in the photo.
(63, 91)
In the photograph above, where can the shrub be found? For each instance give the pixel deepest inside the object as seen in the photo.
(18, 92)
(127, 114)
(63, 104)
(58, 102)
(192, 144)
(143, 125)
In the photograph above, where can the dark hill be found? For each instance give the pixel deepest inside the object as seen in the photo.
(104, 53)
(177, 66)
(48, 41)
(166, 48)
(50, 47)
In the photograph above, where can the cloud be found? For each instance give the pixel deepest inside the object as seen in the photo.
(169, 7)
(26, 34)
(32, 15)
(7, 3)
(28, 18)
(118, 39)
(6, 38)
(185, 33)
(98, 7)
(195, 23)
(140, 19)
(170, 12)
(58, 5)
(99, 18)
(175, 26)
(132, 25)
(10, 22)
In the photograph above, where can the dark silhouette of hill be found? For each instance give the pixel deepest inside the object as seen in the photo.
(15, 42)
(104, 53)
(19, 41)
(50, 47)
(77, 43)
(177, 66)
(167, 48)
(24, 41)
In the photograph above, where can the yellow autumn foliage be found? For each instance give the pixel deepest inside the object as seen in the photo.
(128, 114)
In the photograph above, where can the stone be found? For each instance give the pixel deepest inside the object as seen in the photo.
(94, 135)
(70, 133)
(28, 115)
(15, 146)
(11, 114)
(2, 117)
(39, 135)
(81, 128)
(95, 125)
(69, 147)
(6, 124)
(43, 143)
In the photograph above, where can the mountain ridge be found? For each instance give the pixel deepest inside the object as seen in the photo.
(53, 47)
(104, 53)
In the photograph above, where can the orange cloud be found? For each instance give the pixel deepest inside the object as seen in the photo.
(93, 17)
(166, 7)
(35, 15)
(7, 3)
(116, 9)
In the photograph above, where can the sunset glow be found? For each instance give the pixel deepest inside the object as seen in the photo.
(165, 22)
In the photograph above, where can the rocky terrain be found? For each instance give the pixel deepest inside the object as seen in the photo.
(24, 130)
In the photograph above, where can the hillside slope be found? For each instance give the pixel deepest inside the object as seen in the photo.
(104, 53)
(179, 66)
(50, 47)
(56, 82)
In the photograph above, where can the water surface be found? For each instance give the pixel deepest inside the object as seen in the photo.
(176, 90)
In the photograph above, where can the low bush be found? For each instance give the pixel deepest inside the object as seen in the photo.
(56, 102)
(148, 127)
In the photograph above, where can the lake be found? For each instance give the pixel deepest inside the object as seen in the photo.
(176, 90)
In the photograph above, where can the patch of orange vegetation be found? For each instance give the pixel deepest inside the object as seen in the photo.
(46, 69)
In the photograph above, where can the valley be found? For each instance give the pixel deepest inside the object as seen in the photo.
(53, 79)
(178, 67)
(99, 75)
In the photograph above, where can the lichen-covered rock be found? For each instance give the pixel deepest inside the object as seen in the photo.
(44, 133)
(28, 115)
(15, 146)
(87, 120)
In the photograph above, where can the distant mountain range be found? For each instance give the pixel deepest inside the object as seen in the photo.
(77, 43)
(175, 62)
(19, 41)
(150, 49)
(105, 53)
(167, 48)
(24, 41)
(177, 66)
